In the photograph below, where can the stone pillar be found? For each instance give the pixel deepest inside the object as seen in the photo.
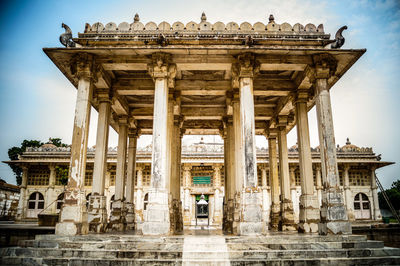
(118, 211)
(265, 198)
(274, 183)
(130, 180)
(250, 197)
(217, 203)
(348, 194)
(21, 213)
(293, 192)
(230, 176)
(334, 218)
(309, 207)
(73, 218)
(175, 177)
(374, 187)
(139, 219)
(287, 218)
(157, 220)
(186, 186)
(97, 212)
(319, 183)
(50, 197)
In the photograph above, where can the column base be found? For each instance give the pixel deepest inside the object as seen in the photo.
(275, 217)
(309, 215)
(250, 222)
(97, 214)
(130, 216)
(157, 216)
(176, 222)
(73, 221)
(334, 219)
(227, 225)
(287, 219)
(117, 218)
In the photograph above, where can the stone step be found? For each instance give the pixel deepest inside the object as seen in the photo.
(175, 254)
(138, 245)
(129, 262)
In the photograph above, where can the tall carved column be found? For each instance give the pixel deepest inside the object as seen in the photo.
(97, 212)
(287, 218)
(130, 179)
(118, 212)
(175, 176)
(73, 219)
(377, 210)
(319, 183)
(139, 219)
(157, 220)
(230, 176)
(186, 187)
(293, 192)
(274, 183)
(309, 208)
(217, 201)
(265, 198)
(348, 194)
(21, 213)
(50, 197)
(334, 218)
(250, 198)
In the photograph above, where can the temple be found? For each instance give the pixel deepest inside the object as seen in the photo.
(235, 80)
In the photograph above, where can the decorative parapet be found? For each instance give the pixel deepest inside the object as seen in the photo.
(204, 30)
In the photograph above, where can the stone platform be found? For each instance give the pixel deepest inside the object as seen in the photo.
(200, 249)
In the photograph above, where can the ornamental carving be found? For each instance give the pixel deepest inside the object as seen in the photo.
(161, 68)
(82, 65)
(325, 65)
(246, 66)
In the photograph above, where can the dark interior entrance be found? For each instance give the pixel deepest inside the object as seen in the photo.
(202, 206)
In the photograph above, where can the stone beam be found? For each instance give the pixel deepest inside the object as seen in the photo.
(119, 105)
(282, 66)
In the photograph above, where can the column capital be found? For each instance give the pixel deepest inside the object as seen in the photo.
(103, 95)
(271, 133)
(187, 167)
(246, 66)
(317, 167)
(82, 66)
(325, 66)
(302, 96)
(162, 68)
(123, 120)
(52, 167)
(134, 132)
(217, 167)
(346, 167)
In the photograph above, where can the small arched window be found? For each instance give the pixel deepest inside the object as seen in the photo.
(87, 200)
(60, 201)
(36, 201)
(145, 201)
(111, 200)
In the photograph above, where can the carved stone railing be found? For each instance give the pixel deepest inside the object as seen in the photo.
(205, 29)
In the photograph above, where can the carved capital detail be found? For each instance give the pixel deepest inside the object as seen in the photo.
(134, 132)
(325, 66)
(246, 66)
(82, 66)
(162, 68)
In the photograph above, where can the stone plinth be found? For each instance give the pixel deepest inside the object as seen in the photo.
(97, 213)
(157, 215)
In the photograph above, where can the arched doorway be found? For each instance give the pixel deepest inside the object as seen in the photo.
(35, 204)
(362, 209)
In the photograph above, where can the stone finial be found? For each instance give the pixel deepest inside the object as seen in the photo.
(203, 17)
(348, 141)
(271, 18)
(136, 18)
(339, 39)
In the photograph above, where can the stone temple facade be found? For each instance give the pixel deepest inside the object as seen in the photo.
(202, 173)
(237, 80)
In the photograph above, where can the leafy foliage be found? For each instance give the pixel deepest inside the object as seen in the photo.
(14, 152)
(63, 173)
(393, 194)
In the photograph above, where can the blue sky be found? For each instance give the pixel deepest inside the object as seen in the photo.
(37, 102)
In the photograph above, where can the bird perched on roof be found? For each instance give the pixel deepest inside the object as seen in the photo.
(66, 37)
(339, 39)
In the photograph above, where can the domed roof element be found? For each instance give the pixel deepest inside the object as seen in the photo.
(349, 146)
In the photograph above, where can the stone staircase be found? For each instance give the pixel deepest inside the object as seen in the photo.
(273, 249)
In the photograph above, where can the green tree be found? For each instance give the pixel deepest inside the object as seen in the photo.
(62, 171)
(14, 152)
(393, 194)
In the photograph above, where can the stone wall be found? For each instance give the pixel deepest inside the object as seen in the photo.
(9, 197)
